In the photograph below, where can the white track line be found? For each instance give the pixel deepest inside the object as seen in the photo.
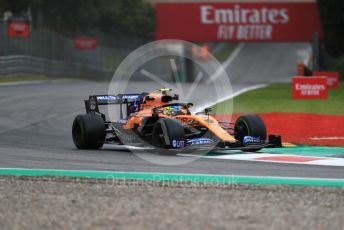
(259, 157)
(326, 138)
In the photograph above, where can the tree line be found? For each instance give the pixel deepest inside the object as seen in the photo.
(119, 18)
(332, 19)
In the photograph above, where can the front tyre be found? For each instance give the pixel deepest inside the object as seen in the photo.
(164, 132)
(249, 125)
(88, 131)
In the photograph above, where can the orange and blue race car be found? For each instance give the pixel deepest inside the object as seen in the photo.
(159, 121)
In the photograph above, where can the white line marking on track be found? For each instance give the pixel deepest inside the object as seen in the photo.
(258, 157)
(326, 138)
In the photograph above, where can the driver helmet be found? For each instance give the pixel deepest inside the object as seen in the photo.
(175, 110)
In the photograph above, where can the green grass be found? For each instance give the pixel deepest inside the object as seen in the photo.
(226, 52)
(277, 98)
(20, 78)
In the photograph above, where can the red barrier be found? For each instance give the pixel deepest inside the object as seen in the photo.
(18, 29)
(332, 78)
(309, 88)
(301, 128)
(85, 43)
(254, 21)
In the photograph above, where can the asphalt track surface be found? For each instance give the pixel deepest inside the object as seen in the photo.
(36, 120)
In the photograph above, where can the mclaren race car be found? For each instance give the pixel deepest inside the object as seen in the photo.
(159, 121)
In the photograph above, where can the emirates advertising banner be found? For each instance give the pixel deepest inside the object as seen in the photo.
(207, 22)
(309, 88)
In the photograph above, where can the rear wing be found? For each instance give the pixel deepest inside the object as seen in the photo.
(93, 102)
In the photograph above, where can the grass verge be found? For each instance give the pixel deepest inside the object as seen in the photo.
(277, 98)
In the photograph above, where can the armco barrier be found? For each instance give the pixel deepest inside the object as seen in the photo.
(332, 78)
(309, 88)
(23, 64)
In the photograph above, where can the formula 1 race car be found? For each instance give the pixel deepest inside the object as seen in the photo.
(157, 120)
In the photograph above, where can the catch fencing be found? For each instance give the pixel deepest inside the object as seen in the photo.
(49, 53)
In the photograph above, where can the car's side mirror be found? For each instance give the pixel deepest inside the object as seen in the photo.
(207, 111)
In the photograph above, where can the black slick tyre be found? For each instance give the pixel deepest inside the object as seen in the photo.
(166, 130)
(88, 131)
(249, 125)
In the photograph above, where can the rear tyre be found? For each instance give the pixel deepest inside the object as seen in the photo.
(166, 130)
(249, 125)
(88, 131)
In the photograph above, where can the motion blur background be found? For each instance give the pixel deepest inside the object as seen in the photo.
(112, 29)
(55, 53)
